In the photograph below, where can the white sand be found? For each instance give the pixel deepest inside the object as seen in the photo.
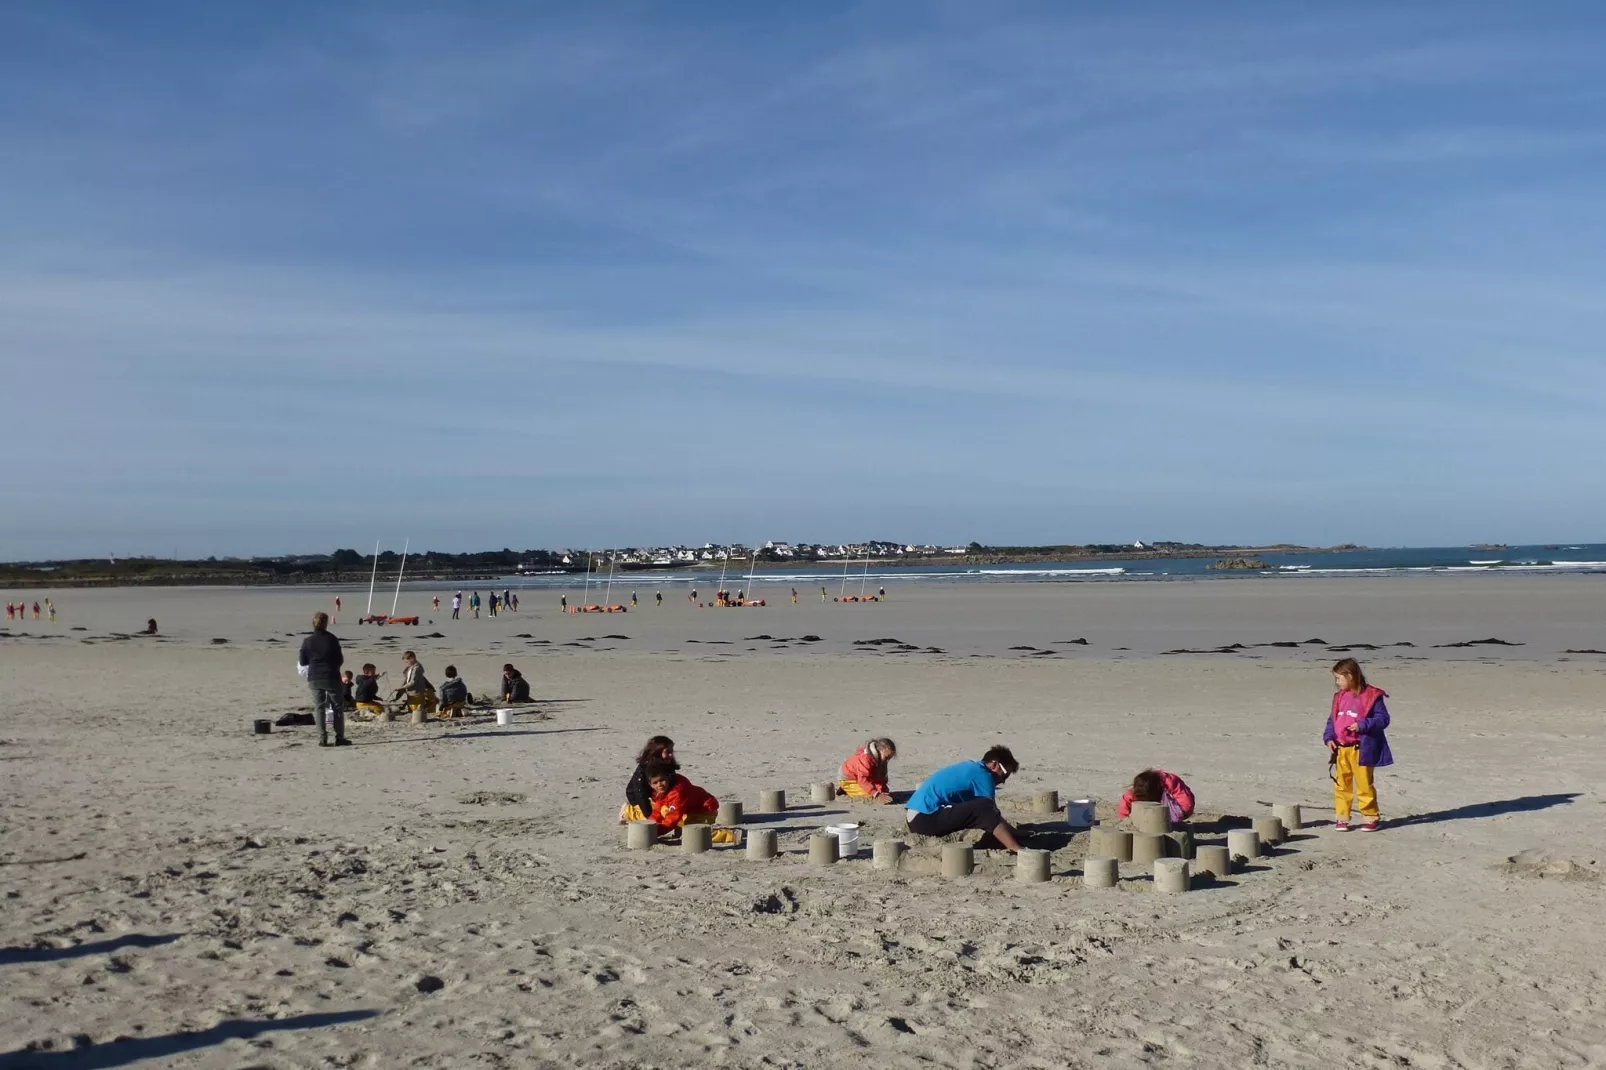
(291, 897)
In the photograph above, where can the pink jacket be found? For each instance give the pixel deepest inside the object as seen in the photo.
(1177, 795)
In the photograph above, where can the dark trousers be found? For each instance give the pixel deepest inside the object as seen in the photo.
(973, 814)
(329, 695)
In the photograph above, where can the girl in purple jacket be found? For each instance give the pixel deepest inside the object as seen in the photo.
(1354, 736)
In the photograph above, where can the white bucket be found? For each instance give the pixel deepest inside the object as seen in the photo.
(1079, 813)
(504, 717)
(847, 839)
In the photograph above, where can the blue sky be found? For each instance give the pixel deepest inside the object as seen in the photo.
(284, 277)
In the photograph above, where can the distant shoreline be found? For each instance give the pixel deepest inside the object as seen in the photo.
(157, 573)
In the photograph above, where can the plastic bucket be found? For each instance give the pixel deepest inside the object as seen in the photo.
(504, 717)
(263, 727)
(847, 839)
(1079, 813)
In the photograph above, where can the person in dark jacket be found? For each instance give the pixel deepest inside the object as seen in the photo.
(321, 654)
(515, 688)
(638, 794)
(365, 691)
(454, 692)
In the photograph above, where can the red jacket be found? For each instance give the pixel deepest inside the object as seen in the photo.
(867, 770)
(1177, 796)
(683, 799)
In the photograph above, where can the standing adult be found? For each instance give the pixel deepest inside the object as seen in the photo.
(960, 797)
(321, 654)
(457, 604)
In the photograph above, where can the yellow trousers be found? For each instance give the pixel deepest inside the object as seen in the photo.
(1354, 779)
(718, 835)
(851, 789)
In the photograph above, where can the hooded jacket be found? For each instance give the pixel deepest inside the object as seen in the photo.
(1367, 728)
(867, 770)
(1174, 792)
(683, 799)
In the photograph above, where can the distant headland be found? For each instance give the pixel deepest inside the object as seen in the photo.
(352, 566)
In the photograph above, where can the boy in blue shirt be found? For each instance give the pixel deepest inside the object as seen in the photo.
(960, 797)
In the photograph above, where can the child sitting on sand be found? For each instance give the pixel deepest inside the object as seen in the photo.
(676, 801)
(1157, 785)
(1355, 739)
(454, 692)
(346, 683)
(365, 690)
(638, 796)
(864, 776)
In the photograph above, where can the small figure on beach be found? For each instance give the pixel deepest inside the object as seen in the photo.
(632, 599)
(514, 601)
(563, 603)
(638, 796)
(365, 691)
(347, 683)
(36, 611)
(677, 802)
(337, 606)
(321, 654)
(822, 594)
(794, 596)
(150, 626)
(454, 692)
(474, 604)
(692, 597)
(415, 686)
(457, 604)
(658, 597)
(515, 688)
(881, 593)
(494, 603)
(435, 603)
(864, 776)
(1357, 744)
(960, 796)
(51, 610)
(1157, 785)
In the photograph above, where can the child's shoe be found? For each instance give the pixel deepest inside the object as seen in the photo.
(1372, 825)
(1341, 825)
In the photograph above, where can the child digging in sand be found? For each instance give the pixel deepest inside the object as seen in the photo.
(1157, 785)
(677, 802)
(1355, 739)
(638, 796)
(864, 776)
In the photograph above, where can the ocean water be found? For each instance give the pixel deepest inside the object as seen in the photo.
(1577, 558)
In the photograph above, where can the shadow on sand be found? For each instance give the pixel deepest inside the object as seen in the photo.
(139, 1049)
(1525, 804)
(13, 956)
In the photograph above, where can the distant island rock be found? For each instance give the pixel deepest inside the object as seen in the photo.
(1249, 563)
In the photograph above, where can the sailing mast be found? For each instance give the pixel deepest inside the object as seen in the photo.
(607, 597)
(372, 580)
(866, 577)
(752, 567)
(399, 573)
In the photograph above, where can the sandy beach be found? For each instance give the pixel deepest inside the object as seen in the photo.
(180, 892)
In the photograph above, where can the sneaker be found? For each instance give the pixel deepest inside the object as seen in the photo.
(1371, 826)
(1341, 826)
(342, 742)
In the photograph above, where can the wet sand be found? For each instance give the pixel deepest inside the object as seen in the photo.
(224, 899)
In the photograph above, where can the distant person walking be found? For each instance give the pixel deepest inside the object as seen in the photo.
(794, 596)
(52, 611)
(822, 594)
(563, 603)
(36, 611)
(692, 597)
(659, 597)
(321, 654)
(435, 603)
(632, 599)
(493, 603)
(474, 604)
(515, 601)
(457, 604)
(337, 606)
(881, 593)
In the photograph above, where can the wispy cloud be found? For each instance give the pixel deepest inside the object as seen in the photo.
(1034, 264)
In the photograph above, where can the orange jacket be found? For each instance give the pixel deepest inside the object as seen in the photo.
(867, 770)
(683, 799)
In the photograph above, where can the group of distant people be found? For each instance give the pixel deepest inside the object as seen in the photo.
(962, 796)
(19, 610)
(507, 602)
(336, 689)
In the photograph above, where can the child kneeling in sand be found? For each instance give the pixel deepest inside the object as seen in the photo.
(677, 802)
(454, 693)
(365, 691)
(638, 796)
(1157, 785)
(864, 776)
